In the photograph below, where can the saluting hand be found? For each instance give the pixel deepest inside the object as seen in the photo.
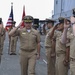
(55, 26)
(20, 24)
(73, 22)
(66, 25)
(72, 19)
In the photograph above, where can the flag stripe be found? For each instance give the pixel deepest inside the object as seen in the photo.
(10, 19)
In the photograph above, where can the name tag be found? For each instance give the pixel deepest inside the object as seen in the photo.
(23, 33)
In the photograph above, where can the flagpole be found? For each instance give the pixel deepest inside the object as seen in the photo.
(11, 3)
(11, 24)
(12, 10)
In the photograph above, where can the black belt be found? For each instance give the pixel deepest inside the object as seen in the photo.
(48, 46)
(59, 53)
(28, 50)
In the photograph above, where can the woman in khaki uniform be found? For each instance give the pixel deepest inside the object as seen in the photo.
(29, 46)
(61, 63)
(2, 37)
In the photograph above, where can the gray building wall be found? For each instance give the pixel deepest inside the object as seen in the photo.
(63, 8)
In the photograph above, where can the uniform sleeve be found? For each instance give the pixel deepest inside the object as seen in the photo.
(55, 34)
(68, 38)
(68, 43)
(38, 37)
(4, 33)
(17, 32)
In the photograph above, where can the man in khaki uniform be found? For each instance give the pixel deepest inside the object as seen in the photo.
(48, 26)
(9, 39)
(29, 46)
(2, 37)
(61, 61)
(13, 41)
(49, 50)
(71, 37)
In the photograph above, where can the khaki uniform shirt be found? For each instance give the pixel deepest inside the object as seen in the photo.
(60, 48)
(48, 42)
(47, 31)
(28, 40)
(72, 45)
(68, 40)
(2, 34)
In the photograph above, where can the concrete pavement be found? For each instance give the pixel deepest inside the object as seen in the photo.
(10, 64)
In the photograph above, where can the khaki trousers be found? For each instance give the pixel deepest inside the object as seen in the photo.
(27, 62)
(60, 68)
(72, 67)
(13, 44)
(50, 62)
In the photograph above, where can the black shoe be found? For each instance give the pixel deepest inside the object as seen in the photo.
(12, 53)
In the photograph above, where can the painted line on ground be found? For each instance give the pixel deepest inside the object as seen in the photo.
(45, 61)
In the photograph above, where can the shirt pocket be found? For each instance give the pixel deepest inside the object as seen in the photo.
(33, 38)
(23, 36)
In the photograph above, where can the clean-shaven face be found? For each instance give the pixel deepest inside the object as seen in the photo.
(28, 25)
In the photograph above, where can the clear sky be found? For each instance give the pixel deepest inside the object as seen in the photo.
(41, 9)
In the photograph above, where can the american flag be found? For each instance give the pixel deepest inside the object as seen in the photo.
(10, 19)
